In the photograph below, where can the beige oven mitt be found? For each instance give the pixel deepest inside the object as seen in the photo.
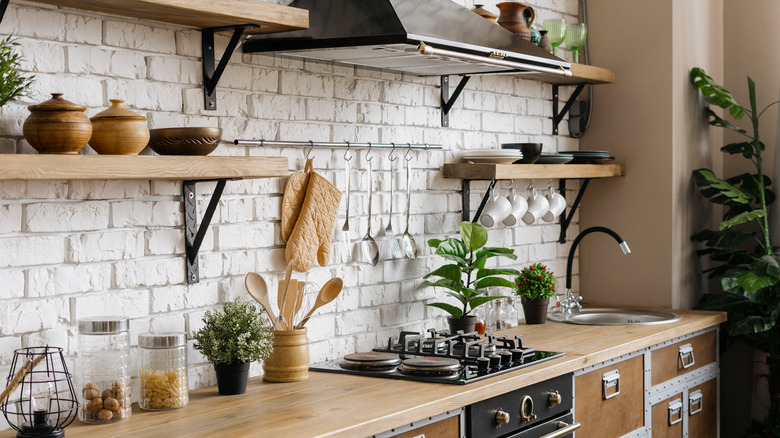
(292, 201)
(311, 236)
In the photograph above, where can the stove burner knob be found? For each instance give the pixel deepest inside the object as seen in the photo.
(483, 364)
(517, 355)
(495, 361)
(502, 417)
(554, 398)
(506, 358)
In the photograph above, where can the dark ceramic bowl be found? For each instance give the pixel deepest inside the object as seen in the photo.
(184, 141)
(531, 151)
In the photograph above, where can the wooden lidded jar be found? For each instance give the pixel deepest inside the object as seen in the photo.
(119, 131)
(289, 360)
(484, 13)
(57, 126)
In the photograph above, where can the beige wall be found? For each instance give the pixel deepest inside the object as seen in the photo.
(649, 120)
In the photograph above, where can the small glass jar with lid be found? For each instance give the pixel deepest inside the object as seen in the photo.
(104, 369)
(163, 370)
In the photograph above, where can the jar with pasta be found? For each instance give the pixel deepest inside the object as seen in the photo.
(104, 369)
(163, 371)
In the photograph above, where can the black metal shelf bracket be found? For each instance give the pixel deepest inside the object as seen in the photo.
(565, 219)
(194, 234)
(3, 7)
(212, 72)
(558, 116)
(446, 100)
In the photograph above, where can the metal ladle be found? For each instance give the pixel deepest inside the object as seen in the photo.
(368, 245)
(410, 246)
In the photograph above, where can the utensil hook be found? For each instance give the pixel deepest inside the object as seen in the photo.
(392, 156)
(409, 149)
(347, 157)
(308, 152)
(368, 154)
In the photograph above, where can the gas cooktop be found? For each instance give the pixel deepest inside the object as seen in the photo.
(440, 357)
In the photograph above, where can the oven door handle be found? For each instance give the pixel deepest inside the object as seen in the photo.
(563, 430)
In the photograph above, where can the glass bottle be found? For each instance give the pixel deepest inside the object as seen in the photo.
(511, 312)
(163, 370)
(104, 369)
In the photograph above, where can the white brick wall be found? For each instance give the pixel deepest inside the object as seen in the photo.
(70, 249)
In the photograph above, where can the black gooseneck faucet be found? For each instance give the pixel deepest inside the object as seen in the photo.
(570, 302)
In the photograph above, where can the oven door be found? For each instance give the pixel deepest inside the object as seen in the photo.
(560, 427)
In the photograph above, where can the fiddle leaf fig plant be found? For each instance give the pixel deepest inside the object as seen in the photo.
(741, 250)
(466, 279)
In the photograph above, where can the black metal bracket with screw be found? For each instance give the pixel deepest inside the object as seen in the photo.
(193, 233)
(558, 116)
(446, 100)
(212, 72)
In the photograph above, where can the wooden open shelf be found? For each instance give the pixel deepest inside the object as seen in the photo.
(92, 167)
(529, 171)
(200, 13)
(581, 73)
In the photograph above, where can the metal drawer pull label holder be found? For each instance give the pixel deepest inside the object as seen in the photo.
(694, 399)
(608, 380)
(563, 430)
(686, 351)
(675, 408)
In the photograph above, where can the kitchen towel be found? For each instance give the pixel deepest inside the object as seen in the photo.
(311, 236)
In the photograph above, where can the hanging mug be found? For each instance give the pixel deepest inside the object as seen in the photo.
(519, 207)
(537, 207)
(557, 205)
(496, 209)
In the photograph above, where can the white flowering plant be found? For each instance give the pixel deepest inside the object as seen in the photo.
(239, 333)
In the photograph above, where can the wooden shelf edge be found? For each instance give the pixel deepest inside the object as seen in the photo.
(39, 167)
(200, 13)
(581, 73)
(529, 171)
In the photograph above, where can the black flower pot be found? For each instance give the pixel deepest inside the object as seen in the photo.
(465, 323)
(231, 377)
(535, 310)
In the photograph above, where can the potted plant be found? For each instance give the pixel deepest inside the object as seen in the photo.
(535, 285)
(12, 83)
(231, 339)
(466, 278)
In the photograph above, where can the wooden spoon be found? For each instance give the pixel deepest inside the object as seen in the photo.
(328, 293)
(258, 289)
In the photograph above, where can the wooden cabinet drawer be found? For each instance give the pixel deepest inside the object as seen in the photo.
(703, 410)
(670, 361)
(668, 417)
(602, 412)
(446, 428)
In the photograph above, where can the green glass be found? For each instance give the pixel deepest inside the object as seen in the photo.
(556, 31)
(576, 34)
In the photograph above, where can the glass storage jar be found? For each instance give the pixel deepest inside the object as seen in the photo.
(163, 370)
(104, 369)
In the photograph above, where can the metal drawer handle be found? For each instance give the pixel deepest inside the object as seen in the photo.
(563, 430)
(694, 399)
(686, 353)
(675, 408)
(609, 380)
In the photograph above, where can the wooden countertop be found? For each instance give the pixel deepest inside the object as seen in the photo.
(336, 405)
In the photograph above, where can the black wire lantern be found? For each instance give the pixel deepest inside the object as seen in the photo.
(44, 402)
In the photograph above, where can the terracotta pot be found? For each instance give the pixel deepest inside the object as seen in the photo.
(289, 360)
(231, 377)
(57, 126)
(119, 131)
(535, 310)
(466, 323)
(513, 18)
(484, 13)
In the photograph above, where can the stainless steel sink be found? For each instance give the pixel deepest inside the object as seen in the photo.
(614, 317)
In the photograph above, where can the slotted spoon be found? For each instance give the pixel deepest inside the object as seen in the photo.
(345, 228)
(392, 240)
(368, 245)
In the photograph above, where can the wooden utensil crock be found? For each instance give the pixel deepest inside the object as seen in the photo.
(289, 360)
(57, 126)
(118, 131)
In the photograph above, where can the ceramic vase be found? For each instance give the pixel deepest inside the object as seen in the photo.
(513, 18)
(231, 377)
(57, 126)
(289, 360)
(119, 131)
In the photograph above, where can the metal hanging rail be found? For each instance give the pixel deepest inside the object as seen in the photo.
(328, 144)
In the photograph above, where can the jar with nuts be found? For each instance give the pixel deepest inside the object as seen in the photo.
(104, 369)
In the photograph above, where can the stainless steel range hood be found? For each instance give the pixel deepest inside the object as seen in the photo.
(423, 37)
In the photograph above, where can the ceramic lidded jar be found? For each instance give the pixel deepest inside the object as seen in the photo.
(118, 131)
(57, 126)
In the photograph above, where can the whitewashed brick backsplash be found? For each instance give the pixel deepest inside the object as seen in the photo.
(80, 248)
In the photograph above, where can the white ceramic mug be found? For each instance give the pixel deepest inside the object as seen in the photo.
(537, 207)
(496, 209)
(557, 205)
(519, 207)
